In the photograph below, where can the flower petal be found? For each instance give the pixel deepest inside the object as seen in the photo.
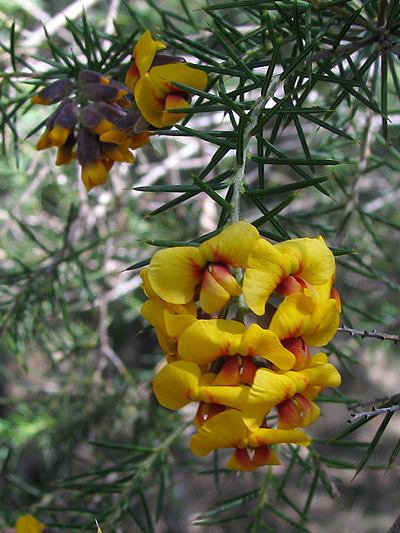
(150, 100)
(94, 173)
(165, 75)
(310, 259)
(324, 323)
(206, 340)
(232, 246)
(321, 375)
(265, 343)
(231, 396)
(29, 524)
(144, 52)
(174, 101)
(268, 389)
(264, 436)
(213, 296)
(177, 384)
(267, 268)
(175, 272)
(224, 430)
(262, 456)
(292, 317)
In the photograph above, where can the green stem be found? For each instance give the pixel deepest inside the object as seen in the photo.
(238, 176)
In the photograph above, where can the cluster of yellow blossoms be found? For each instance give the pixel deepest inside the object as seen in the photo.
(254, 378)
(99, 121)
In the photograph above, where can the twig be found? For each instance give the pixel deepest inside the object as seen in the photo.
(371, 334)
(366, 415)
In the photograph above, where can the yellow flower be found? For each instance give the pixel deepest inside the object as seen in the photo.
(299, 265)
(270, 388)
(298, 316)
(182, 382)
(153, 87)
(29, 524)
(204, 341)
(169, 321)
(227, 430)
(176, 272)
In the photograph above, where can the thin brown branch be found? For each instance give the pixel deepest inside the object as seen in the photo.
(347, 48)
(371, 334)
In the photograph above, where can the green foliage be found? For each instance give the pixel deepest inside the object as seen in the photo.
(297, 133)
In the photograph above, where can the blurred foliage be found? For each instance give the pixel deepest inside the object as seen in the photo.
(303, 103)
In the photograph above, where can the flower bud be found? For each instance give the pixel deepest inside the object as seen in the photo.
(63, 124)
(54, 92)
(165, 59)
(65, 152)
(99, 91)
(90, 76)
(122, 129)
(94, 120)
(88, 148)
(111, 111)
(94, 173)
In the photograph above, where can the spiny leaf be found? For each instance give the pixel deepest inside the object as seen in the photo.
(374, 442)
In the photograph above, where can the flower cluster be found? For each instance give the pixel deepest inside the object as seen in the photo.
(99, 120)
(254, 378)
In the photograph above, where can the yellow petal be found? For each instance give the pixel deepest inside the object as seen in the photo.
(267, 268)
(177, 384)
(292, 317)
(29, 524)
(114, 135)
(150, 100)
(232, 246)
(44, 140)
(265, 343)
(310, 259)
(59, 134)
(323, 375)
(175, 272)
(94, 174)
(144, 52)
(132, 77)
(165, 75)
(324, 323)
(224, 430)
(231, 396)
(268, 389)
(146, 286)
(206, 340)
(174, 101)
(274, 436)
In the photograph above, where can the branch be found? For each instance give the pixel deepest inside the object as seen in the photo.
(371, 334)
(366, 415)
